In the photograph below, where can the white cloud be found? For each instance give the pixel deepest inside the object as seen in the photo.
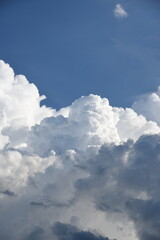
(28, 129)
(91, 122)
(16, 168)
(149, 106)
(120, 12)
(19, 100)
(19, 110)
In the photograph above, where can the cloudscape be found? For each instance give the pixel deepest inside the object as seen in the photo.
(82, 162)
(86, 171)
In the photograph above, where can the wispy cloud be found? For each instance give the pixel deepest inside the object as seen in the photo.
(119, 11)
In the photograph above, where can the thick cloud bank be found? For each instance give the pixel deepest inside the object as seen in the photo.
(87, 171)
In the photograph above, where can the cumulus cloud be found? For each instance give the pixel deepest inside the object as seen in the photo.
(120, 12)
(19, 110)
(123, 180)
(87, 171)
(19, 100)
(91, 122)
(16, 168)
(149, 106)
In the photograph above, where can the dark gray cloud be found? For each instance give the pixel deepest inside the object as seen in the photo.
(36, 234)
(146, 216)
(68, 232)
(8, 193)
(120, 180)
(124, 179)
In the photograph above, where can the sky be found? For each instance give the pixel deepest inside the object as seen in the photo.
(79, 120)
(80, 47)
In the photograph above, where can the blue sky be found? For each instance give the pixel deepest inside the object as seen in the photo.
(73, 48)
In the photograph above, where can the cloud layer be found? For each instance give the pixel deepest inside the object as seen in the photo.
(87, 171)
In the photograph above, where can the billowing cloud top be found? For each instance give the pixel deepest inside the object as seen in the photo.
(120, 12)
(60, 169)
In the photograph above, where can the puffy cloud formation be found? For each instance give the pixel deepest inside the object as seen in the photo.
(19, 110)
(119, 11)
(16, 168)
(87, 171)
(19, 100)
(91, 121)
(149, 106)
(124, 179)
